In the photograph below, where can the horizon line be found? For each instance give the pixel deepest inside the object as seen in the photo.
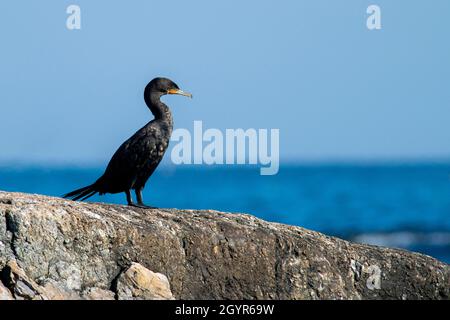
(284, 163)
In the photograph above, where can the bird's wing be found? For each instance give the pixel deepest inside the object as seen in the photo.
(131, 156)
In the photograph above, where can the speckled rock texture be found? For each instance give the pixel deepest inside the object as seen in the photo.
(52, 248)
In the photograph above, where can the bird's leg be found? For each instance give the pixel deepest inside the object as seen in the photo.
(129, 199)
(140, 203)
(139, 199)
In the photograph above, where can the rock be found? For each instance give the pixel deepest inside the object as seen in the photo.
(5, 294)
(19, 283)
(138, 282)
(52, 248)
(98, 294)
(52, 290)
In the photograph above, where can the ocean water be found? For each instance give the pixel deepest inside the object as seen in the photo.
(403, 206)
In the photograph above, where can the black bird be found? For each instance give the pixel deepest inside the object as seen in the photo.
(137, 158)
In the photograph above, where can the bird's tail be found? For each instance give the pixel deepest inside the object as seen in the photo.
(82, 193)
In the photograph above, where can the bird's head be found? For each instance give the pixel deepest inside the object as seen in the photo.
(162, 86)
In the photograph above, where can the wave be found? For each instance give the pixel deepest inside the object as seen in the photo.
(404, 239)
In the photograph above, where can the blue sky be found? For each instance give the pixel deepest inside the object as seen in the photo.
(336, 90)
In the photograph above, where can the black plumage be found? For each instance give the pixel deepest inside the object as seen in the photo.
(137, 158)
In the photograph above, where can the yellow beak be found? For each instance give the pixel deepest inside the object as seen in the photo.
(180, 92)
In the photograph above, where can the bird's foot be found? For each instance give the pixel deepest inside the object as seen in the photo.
(141, 206)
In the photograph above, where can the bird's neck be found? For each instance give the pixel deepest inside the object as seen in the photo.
(158, 108)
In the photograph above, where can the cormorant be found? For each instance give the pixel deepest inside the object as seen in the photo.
(137, 158)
